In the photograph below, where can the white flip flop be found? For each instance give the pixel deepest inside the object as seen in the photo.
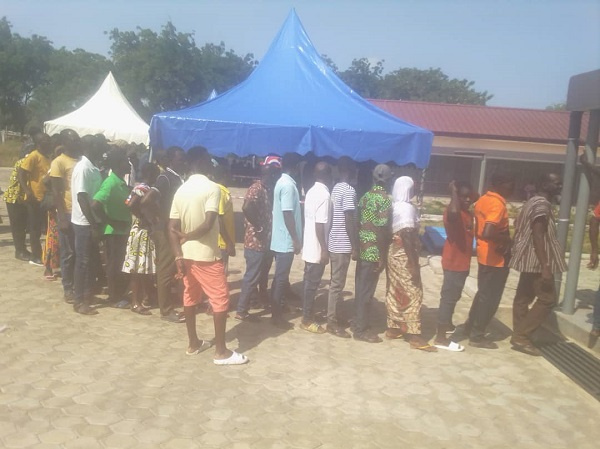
(453, 347)
(234, 359)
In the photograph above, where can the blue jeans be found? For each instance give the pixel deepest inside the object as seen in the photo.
(596, 324)
(283, 265)
(83, 276)
(66, 244)
(365, 285)
(254, 265)
(313, 273)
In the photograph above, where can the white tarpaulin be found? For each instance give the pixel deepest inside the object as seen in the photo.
(108, 112)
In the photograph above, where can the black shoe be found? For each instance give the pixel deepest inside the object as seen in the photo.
(368, 337)
(337, 331)
(69, 297)
(24, 256)
(282, 324)
(84, 309)
(483, 343)
(525, 348)
(174, 317)
(36, 261)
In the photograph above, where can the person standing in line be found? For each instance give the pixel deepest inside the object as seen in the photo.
(375, 215)
(317, 205)
(257, 211)
(226, 218)
(456, 260)
(343, 241)
(194, 236)
(85, 183)
(493, 255)
(109, 205)
(286, 235)
(167, 184)
(31, 177)
(61, 170)
(404, 296)
(14, 197)
(538, 257)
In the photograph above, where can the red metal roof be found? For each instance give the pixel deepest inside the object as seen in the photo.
(484, 122)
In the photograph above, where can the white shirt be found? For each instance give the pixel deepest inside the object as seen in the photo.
(316, 210)
(85, 178)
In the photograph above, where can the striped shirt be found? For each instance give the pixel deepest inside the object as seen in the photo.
(343, 198)
(524, 258)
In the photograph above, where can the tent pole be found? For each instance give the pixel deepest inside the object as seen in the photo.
(581, 214)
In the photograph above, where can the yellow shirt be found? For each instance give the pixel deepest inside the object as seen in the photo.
(226, 214)
(37, 165)
(197, 196)
(62, 167)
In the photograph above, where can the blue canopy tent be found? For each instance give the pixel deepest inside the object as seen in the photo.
(293, 102)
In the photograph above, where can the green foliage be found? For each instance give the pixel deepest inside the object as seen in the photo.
(557, 107)
(9, 152)
(363, 77)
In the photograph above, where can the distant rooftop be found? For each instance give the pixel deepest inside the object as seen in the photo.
(484, 122)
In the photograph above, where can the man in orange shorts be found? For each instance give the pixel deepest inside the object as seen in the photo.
(194, 236)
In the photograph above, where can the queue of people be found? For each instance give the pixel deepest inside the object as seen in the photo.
(167, 235)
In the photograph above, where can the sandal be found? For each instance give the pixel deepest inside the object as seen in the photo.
(312, 327)
(140, 310)
(234, 359)
(204, 345)
(392, 334)
(451, 346)
(122, 304)
(426, 347)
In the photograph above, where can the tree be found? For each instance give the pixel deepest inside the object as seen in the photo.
(430, 85)
(167, 71)
(24, 66)
(557, 107)
(363, 77)
(73, 77)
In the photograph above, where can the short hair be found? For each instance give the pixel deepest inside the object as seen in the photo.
(290, 160)
(197, 154)
(115, 158)
(33, 130)
(148, 168)
(346, 165)
(463, 185)
(502, 177)
(171, 152)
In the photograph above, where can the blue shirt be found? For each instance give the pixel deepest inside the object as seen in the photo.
(285, 198)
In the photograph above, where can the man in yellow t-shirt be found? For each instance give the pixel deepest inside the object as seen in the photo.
(31, 177)
(61, 169)
(226, 218)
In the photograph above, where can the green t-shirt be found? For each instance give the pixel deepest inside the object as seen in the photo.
(375, 210)
(112, 194)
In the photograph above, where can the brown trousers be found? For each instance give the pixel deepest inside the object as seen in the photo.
(527, 319)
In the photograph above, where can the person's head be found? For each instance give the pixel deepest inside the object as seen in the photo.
(270, 170)
(290, 163)
(149, 172)
(175, 159)
(71, 143)
(33, 130)
(118, 162)
(466, 195)
(404, 189)
(43, 143)
(347, 169)
(199, 161)
(323, 173)
(90, 149)
(382, 175)
(219, 174)
(503, 183)
(550, 185)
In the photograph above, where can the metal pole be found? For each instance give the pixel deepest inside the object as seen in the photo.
(581, 214)
(570, 171)
(482, 169)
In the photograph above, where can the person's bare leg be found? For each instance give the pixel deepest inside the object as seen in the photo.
(190, 324)
(220, 321)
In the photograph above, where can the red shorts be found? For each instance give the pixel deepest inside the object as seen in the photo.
(206, 278)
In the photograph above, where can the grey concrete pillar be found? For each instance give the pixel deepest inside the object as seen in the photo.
(581, 214)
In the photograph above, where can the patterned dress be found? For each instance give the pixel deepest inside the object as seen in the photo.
(51, 256)
(140, 256)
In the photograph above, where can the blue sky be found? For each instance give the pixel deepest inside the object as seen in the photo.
(522, 51)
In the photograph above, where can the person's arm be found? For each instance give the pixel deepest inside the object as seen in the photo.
(454, 206)
(290, 224)
(86, 208)
(199, 232)
(23, 177)
(175, 240)
(58, 190)
(250, 212)
(98, 210)
(289, 196)
(229, 243)
(594, 231)
(352, 231)
(540, 229)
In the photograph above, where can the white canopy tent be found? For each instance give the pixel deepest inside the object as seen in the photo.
(108, 112)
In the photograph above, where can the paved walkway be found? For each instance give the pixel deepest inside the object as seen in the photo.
(120, 380)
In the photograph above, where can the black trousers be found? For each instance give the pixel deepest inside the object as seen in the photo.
(116, 246)
(17, 214)
(490, 286)
(35, 217)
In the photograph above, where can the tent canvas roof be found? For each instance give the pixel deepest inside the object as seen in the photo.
(107, 112)
(293, 102)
